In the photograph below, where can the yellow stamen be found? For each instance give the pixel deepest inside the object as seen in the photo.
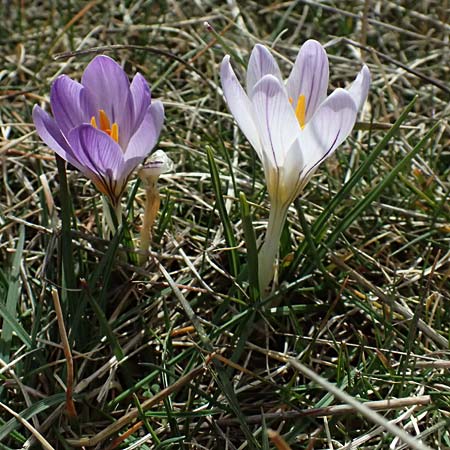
(115, 132)
(300, 110)
(105, 125)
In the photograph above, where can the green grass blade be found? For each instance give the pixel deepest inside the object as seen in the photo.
(228, 228)
(252, 249)
(36, 408)
(9, 310)
(68, 278)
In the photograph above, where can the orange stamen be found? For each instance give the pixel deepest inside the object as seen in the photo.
(115, 132)
(105, 125)
(300, 110)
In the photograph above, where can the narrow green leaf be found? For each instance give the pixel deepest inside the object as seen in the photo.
(12, 322)
(228, 229)
(227, 389)
(9, 310)
(252, 249)
(68, 278)
(36, 408)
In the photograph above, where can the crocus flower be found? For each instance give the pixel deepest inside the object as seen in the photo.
(293, 126)
(104, 126)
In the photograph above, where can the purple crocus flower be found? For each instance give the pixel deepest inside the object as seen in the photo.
(293, 126)
(104, 126)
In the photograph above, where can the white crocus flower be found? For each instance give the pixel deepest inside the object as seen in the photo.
(292, 126)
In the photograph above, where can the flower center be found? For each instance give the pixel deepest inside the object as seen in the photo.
(300, 109)
(105, 125)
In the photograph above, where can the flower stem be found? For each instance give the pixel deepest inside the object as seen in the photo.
(269, 250)
(112, 217)
(152, 204)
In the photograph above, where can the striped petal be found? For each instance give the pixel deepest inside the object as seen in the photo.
(309, 77)
(261, 63)
(239, 104)
(71, 104)
(360, 87)
(330, 126)
(101, 155)
(275, 119)
(109, 88)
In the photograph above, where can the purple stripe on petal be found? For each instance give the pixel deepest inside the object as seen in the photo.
(101, 155)
(261, 63)
(275, 118)
(146, 137)
(360, 87)
(70, 104)
(50, 133)
(309, 77)
(239, 104)
(108, 85)
(329, 127)
(140, 93)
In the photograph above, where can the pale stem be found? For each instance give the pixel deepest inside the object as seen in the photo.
(269, 250)
(118, 211)
(107, 220)
(152, 204)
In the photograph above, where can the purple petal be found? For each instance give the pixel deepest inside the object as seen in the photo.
(145, 139)
(140, 93)
(278, 127)
(147, 135)
(360, 87)
(261, 63)
(108, 85)
(309, 77)
(50, 133)
(102, 156)
(70, 105)
(330, 126)
(239, 104)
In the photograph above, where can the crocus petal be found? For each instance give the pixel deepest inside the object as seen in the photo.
(109, 87)
(309, 77)
(293, 182)
(140, 93)
(146, 137)
(239, 104)
(261, 63)
(330, 126)
(70, 104)
(360, 87)
(50, 133)
(101, 155)
(278, 127)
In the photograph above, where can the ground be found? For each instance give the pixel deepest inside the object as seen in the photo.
(179, 352)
